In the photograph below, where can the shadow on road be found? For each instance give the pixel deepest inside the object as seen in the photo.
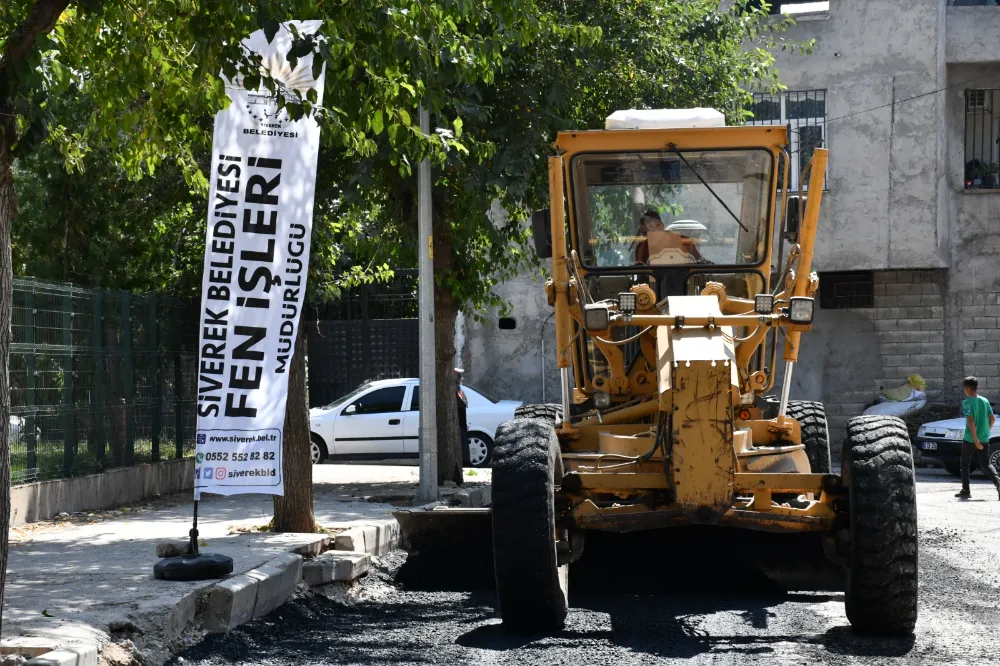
(656, 588)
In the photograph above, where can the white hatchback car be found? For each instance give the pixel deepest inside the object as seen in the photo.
(381, 420)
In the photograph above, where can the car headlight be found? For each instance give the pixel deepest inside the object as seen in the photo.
(955, 434)
(920, 431)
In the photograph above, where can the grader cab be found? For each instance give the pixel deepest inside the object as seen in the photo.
(680, 271)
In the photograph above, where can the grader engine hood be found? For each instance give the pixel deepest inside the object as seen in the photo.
(698, 386)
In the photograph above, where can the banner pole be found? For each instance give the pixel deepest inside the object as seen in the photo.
(194, 531)
(428, 490)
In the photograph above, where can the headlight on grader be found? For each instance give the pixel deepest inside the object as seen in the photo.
(596, 316)
(763, 304)
(602, 400)
(800, 311)
(626, 302)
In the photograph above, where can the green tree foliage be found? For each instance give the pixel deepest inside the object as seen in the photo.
(584, 61)
(147, 72)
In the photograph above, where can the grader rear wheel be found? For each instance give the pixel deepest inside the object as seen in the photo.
(815, 435)
(882, 576)
(531, 585)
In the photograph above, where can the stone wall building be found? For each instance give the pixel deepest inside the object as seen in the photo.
(906, 96)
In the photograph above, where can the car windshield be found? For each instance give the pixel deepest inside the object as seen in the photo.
(485, 395)
(671, 208)
(343, 399)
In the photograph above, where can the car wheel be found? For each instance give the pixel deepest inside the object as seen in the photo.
(317, 449)
(480, 448)
(995, 454)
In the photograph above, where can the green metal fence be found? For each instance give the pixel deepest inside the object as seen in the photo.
(99, 379)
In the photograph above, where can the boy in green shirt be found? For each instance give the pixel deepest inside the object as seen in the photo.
(979, 419)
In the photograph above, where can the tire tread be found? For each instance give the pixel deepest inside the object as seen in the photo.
(815, 434)
(524, 547)
(882, 583)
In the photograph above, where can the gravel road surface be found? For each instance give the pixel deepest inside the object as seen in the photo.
(684, 599)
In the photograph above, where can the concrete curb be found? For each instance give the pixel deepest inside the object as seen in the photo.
(336, 566)
(71, 655)
(475, 498)
(254, 594)
(378, 538)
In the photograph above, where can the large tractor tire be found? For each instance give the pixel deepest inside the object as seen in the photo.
(882, 575)
(815, 435)
(531, 586)
(547, 412)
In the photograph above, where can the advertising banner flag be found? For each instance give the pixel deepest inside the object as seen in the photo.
(262, 183)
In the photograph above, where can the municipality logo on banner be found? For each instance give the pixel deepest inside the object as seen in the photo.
(256, 258)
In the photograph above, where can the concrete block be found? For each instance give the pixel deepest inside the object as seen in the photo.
(314, 547)
(172, 547)
(376, 538)
(474, 498)
(352, 539)
(335, 565)
(171, 616)
(973, 311)
(980, 359)
(230, 604)
(889, 313)
(986, 346)
(885, 277)
(895, 360)
(276, 582)
(923, 312)
(33, 646)
(82, 655)
(900, 289)
(984, 322)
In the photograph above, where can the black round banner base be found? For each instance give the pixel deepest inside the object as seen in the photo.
(194, 566)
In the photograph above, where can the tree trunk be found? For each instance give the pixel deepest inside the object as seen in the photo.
(8, 209)
(294, 511)
(445, 314)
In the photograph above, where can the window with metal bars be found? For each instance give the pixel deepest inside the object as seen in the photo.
(982, 136)
(853, 289)
(804, 113)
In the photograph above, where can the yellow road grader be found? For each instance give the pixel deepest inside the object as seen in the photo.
(681, 268)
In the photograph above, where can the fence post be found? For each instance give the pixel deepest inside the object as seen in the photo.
(366, 334)
(178, 405)
(129, 382)
(155, 379)
(31, 472)
(69, 415)
(97, 406)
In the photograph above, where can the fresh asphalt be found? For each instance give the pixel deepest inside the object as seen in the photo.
(692, 597)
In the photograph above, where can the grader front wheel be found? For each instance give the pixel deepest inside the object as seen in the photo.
(531, 585)
(882, 577)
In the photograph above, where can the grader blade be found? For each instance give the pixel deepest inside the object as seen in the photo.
(444, 528)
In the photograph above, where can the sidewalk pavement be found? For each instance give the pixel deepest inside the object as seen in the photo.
(88, 578)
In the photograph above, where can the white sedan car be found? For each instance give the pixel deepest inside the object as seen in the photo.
(381, 419)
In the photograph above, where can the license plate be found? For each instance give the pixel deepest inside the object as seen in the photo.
(929, 446)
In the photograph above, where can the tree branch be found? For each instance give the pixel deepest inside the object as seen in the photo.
(40, 21)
